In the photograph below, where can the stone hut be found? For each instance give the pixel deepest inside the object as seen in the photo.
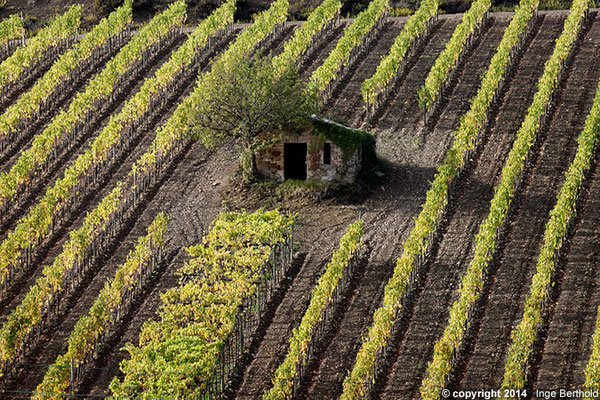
(325, 151)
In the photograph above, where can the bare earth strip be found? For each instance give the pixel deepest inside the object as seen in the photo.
(568, 347)
(514, 264)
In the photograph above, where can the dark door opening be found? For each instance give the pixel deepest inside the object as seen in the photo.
(294, 161)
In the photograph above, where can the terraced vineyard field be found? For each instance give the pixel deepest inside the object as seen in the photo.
(442, 284)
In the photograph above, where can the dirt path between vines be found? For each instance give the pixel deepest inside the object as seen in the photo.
(514, 263)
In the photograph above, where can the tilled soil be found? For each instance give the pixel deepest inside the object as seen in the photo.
(55, 241)
(323, 47)
(62, 102)
(442, 274)
(25, 81)
(339, 356)
(346, 103)
(516, 259)
(469, 81)
(55, 340)
(568, 345)
(62, 160)
(399, 115)
(192, 200)
(192, 193)
(272, 349)
(198, 173)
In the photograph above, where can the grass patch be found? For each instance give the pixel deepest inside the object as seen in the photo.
(293, 188)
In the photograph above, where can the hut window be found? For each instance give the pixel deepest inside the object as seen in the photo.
(327, 154)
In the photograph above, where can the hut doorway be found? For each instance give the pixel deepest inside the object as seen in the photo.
(294, 161)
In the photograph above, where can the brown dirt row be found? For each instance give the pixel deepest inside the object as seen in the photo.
(26, 81)
(275, 42)
(274, 345)
(515, 103)
(193, 193)
(469, 80)
(4, 54)
(64, 99)
(356, 312)
(276, 46)
(388, 220)
(339, 356)
(407, 362)
(187, 226)
(568, 347)
(348, 322)
(54, 241)
(401, 114)
(325, 44)
(346, 101)
(57, 167)
(55, 338)
(514, 262)
(569, 334)
(315, 241)
(192, 201)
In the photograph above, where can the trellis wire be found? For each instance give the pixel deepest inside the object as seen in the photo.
(249, 316)
(419, 263)
(319, 329)
(380, 98)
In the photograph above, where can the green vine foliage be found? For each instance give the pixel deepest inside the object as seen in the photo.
(592, 371)
(525, 334)
(178, 126)
(303, 37)
(22, 321)
(418, 241)
(442, 69)
(485, 241)
(321, 297)
(90, 328)
(29, 103)
(30, 312)
(188, 355)
(34, 226)
(389, 65)
(61, 28)
(176, 355)
(11, 28)
(353, 37)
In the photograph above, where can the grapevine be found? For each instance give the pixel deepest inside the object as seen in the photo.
(375, 88)
(71, 264)
(323, 294)
(353, 37)
(303, 38)
(11, 28)
(592, 371)
(440, 73)
(113, 300)
(417, 244)
(525, 334)
(197, 317)
(174, 131)
(62, 72)
(34, 227)
(26, 57)
(485, 241)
